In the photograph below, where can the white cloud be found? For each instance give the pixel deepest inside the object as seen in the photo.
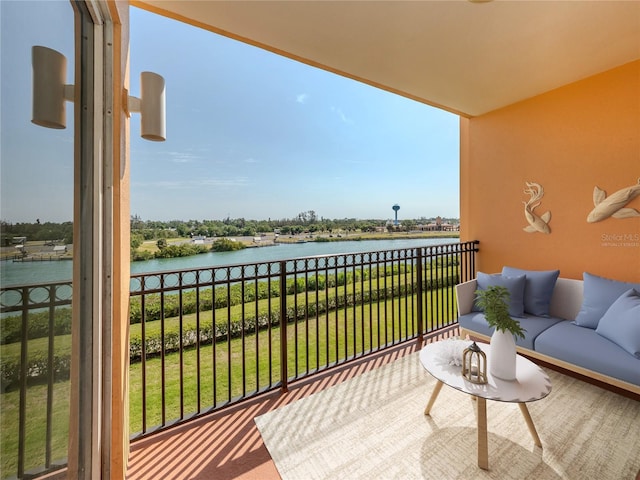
(194, 184)
(182, 157)
(341, 115)
(302, 98)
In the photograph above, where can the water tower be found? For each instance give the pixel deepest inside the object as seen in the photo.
(396, 207)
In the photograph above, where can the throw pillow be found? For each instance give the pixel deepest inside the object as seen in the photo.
(621, 322)
(599, 294)
(515, 285)
(538, 289)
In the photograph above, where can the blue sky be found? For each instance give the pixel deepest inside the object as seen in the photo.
(255, 135)
(36, 164)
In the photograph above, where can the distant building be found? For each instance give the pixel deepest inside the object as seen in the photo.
(439, 226)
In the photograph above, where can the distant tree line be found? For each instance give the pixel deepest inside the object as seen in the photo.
(59, 233)
(304, 222)
(141, 230)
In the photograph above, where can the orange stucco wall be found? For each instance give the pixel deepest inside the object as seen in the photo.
(569, 141)
(119, 448)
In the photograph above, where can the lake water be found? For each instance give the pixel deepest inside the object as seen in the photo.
(37, 272)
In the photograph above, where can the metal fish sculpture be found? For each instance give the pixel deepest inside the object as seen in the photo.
(612, 206)
(536, 223)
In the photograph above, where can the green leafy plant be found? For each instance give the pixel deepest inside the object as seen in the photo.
(494, 302)
(226, 245)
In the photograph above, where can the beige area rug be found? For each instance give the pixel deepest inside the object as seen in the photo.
(374, 427)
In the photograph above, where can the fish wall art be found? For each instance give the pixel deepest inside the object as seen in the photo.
(536, 223)
(614, 204)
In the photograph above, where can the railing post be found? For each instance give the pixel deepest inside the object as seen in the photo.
(22, 419)
(419, 309)
(50, 373)
(284, 372)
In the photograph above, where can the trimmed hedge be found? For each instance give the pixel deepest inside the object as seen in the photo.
(37, 363)
(234, 328)
(37, 325)
(38, 348)
(221, 298)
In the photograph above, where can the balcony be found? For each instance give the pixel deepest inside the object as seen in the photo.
(227, 444)
(208, 344)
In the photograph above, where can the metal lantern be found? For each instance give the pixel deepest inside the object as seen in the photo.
(474, 364)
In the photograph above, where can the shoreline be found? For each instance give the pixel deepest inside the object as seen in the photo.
(269, 240)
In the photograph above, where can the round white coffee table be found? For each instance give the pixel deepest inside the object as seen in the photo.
(531, 384)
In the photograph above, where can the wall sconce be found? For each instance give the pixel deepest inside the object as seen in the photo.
(151, 106)
(49, 89)
(50, 92)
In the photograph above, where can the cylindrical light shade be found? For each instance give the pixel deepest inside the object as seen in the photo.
(49, 72)
(152, 107)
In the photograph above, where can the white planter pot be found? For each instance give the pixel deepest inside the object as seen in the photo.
(502, 359)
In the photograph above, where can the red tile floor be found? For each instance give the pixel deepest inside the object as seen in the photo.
(227, 444)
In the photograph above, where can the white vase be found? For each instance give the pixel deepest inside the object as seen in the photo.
(502, 359)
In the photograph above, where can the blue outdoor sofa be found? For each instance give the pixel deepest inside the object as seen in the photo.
(589, 326)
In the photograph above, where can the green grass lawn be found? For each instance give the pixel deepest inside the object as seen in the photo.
(198, 380)
(35, 428)
(311, 345)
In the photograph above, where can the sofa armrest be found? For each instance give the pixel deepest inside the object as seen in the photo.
(465, 296)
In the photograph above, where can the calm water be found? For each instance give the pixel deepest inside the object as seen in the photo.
(37, 272)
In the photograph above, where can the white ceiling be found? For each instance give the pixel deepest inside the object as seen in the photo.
(468, 58)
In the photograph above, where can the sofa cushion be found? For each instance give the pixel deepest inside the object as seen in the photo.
(475, 322)
(585, 348)
(599, 295)
(621, 322)
(515, 285)
(538, 288)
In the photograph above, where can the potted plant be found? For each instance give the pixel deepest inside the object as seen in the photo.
(494, 302)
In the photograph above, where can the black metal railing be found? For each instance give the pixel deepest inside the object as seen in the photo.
(202, 339)
(205, 338)
(35, 353)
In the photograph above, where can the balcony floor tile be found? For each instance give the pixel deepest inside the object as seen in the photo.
(227, 444)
